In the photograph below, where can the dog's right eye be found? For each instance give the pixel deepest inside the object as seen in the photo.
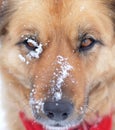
(30, 44)
(33, 48)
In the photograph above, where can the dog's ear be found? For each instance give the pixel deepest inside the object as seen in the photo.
(110, 4)
(112, 7)
(5, 13)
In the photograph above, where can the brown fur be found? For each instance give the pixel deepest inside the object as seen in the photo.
(60, 24)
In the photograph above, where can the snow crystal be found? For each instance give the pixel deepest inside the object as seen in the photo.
(61, 76)
(21, 58)
(36, 53)
(38, 104)
(81, 109)
(58, 95)
(33, 91)
(27, 62)
(32, 42)
(33, 53)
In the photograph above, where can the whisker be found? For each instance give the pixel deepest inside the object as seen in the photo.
(91, 109)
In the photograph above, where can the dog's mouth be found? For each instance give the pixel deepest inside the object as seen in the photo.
(59, 127)
(65, 125)
(56, 127)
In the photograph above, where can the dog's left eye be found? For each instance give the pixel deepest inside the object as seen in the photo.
(87, 43)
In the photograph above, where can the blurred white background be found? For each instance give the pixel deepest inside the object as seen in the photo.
(2, 112)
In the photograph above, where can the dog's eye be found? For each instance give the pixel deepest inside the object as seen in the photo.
(30, 44)
(86, 44)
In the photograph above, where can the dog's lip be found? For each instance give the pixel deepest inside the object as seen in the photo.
(62, 127)
(57, 125)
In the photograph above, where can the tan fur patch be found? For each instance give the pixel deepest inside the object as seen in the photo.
(58, 28)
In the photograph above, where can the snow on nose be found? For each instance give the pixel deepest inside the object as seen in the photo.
(61, 75)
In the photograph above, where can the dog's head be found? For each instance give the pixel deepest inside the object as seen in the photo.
(62, 53)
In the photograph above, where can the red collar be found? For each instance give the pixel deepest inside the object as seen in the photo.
(105, 124)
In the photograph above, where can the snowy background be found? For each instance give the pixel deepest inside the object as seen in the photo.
(2, 113)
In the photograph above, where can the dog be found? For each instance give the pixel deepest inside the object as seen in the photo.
(57, 61)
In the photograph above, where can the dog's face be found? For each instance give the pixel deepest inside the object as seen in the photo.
(62, 52)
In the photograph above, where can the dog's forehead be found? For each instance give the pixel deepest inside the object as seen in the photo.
(57, 7)
(58, 19)
(48, 17)
(54, 13)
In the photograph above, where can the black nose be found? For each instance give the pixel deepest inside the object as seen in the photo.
(59, 110)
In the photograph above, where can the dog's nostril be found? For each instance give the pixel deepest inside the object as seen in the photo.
(59, 110)
(64, 115)
(50, 115)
